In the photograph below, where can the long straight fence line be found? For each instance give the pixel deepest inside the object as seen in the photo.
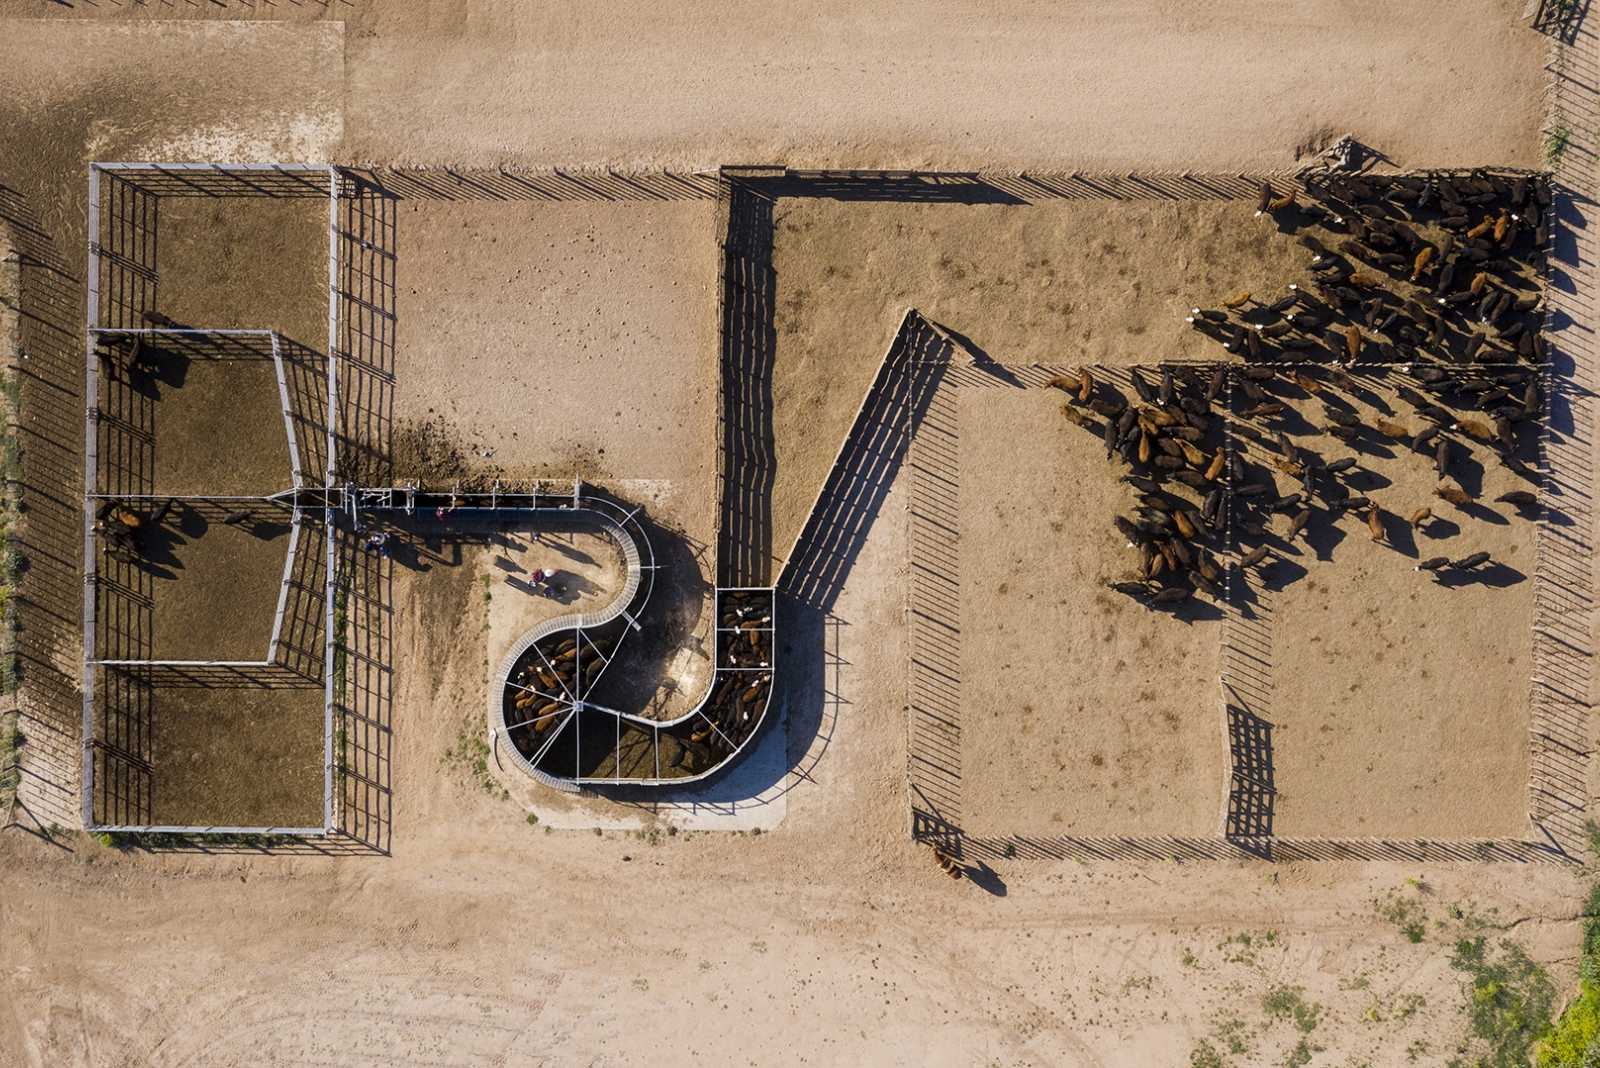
(1245, 669)
(933, 615)
(47, 402)
(868, 461)
(746, 463)
(1561, 691)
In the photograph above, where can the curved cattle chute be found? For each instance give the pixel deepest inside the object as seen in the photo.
(541, 705)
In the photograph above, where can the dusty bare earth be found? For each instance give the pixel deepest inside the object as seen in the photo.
(1083, 713)
(216, 584)
(251, 263)
(578, 340)
(1219, 84)
(217, 428)
(588, 574)
(1400, 700)
(237, 757)
(478, 938)
(564, 339)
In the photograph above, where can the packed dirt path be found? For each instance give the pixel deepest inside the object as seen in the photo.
(485, 942)
(1213, 85)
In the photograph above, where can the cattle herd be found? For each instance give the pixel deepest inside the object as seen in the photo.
(1416, 330)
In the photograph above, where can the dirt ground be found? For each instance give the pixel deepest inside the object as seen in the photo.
(1400, 700)
(561, 340)
(239, 757)
(1218, 84)
(1083, 713)
(1074, 282)
(481, 938)
(596, 326)
(1144, 962)
(589, 575)
(216, 584)
(218, 429)
(245, 263)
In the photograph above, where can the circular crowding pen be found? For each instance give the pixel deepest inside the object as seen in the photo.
(541, 708)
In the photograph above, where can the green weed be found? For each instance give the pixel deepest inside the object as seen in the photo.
(1555, 144)
(1509, 1002)
(1574, 1042)
(1405, 913)
(471, 753)
(1289, 1003)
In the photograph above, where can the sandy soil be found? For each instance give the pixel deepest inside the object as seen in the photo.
(1083, 713)
(218, 429)
(1210, 85)
(589, 575)
(1216, 84)
(1401, 701)
(196, 91)
(240, 757)
(248, 263)
(593, 356)
(1099, 282)
(592, 346)
(216, 585)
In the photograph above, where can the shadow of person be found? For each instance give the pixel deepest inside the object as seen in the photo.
(576, 555)
(524, 586)
(1192, 611)
(1437, 529)
(1493, 574)
(576, 585)
(985, 878)
(403, 552)
(1398, 535)
(1281, 573)
(563, 587)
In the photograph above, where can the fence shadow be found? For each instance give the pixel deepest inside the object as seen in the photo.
(363, 694)
(362, 677)
(44, 472)
(1015, 188)
(1561, 19)
(934, 617)
(867, 463)
(458, 183)
(902, 186)
(746, 464)
(1561, 747)
(365, 346)
(1246, 675)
